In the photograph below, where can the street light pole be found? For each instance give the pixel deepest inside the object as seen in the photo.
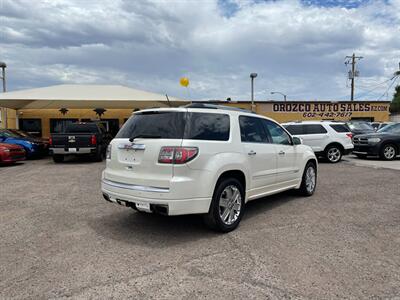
(252, 76)
(3, 67)
(284, 96)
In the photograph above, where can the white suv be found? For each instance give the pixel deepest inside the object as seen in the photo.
(204, 159)
(329, 139)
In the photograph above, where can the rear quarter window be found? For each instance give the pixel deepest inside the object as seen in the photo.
(207, 126)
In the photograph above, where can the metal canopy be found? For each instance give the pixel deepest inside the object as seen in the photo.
(85, 96)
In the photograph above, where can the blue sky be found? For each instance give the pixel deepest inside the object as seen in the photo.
(296, 47)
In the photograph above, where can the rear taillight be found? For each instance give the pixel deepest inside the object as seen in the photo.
(350, 135)
(50, 141)
(93, 140)
(177, 155)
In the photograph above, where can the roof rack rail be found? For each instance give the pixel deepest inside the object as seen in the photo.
(215, 106)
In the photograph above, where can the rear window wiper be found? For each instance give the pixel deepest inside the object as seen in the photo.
(144, 136)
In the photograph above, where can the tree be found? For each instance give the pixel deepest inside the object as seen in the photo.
(395, 105)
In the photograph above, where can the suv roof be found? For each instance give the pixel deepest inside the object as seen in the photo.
(206, 108)
(314, 122)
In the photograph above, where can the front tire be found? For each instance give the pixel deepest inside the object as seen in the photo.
(309, 180)
(388, 152)
(227, 205)
(333, 154)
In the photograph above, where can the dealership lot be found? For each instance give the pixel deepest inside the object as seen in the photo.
(61, 239)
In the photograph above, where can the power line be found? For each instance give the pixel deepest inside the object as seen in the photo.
(373, 89)
(389, 87)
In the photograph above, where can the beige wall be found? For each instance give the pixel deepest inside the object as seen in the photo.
(11, 118)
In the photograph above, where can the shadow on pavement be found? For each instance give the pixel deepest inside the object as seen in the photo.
(161, 231)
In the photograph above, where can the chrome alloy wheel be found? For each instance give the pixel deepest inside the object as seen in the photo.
(310, 179)
(230, 204)
(334, 154)
(389, 152)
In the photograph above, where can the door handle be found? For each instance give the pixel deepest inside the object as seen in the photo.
(281, 152)
(252, 152)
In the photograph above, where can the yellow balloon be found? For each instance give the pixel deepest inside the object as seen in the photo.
(184, 81)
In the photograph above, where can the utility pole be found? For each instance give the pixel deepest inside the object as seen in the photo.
(353, 73)
(252, 76)
(3, 67)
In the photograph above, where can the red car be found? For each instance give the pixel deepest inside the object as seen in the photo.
(10, 153)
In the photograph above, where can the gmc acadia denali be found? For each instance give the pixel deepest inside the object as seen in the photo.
(204, 159)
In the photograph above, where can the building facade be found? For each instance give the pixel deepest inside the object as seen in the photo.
(43, 122)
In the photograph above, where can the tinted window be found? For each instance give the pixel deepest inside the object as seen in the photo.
(205, 126)
(360, 126)
(251, 130)
(314, 129)
(161, 124)
(7, 133)
(82, 128)
(295, 129)
(276, 132)
(59, 125)
(340, 128)
(394, 128)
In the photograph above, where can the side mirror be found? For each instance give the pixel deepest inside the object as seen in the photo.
(297, 141)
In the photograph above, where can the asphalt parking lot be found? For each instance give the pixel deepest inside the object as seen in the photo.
(60, 239)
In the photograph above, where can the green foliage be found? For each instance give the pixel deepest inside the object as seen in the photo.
(395, 105)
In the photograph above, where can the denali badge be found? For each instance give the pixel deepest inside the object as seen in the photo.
(132, 146)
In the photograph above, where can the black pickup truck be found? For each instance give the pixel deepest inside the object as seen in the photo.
(80, 139)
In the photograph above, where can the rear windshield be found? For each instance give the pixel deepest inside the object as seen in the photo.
(82, 128)
(163, 125)
(340, 127)
(177, 125)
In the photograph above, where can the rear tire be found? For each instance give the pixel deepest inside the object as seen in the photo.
(58, 158)
(227, 205)
(388, 152)
(333, 154)
(309, 180)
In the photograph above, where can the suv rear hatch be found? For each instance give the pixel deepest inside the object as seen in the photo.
(136, 148)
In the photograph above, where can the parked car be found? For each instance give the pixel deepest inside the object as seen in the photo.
(80, 139)
(33, 147)
(204, 159)
(360, 127)
(328, 139)
(385, 143)
(10, 153)
(25, 134)
(379, 125)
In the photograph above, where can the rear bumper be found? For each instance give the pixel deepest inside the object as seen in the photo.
(65, 151)
(130, 195)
